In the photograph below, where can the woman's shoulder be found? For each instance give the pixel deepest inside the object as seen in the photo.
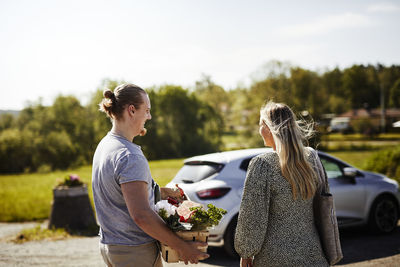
(267, 158)
(310, 152)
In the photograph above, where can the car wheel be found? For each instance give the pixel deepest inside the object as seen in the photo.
(229, 238)
(384, 215)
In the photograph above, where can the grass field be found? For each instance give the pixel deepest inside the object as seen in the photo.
(27, 197)
(355, 158)
(359, 137)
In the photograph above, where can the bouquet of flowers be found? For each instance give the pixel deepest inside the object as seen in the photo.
(182, 214)
(190, 220)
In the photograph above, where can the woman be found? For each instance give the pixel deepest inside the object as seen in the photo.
(275, 225)
(123, 188)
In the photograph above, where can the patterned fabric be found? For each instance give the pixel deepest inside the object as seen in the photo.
(272, 227)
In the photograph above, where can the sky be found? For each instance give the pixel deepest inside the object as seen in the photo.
(50, 48)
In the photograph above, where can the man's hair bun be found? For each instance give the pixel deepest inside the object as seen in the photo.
(108, 102)
(109, 94)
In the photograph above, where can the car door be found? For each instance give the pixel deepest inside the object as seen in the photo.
(348, 192)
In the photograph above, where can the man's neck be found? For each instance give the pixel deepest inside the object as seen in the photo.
(122, 130)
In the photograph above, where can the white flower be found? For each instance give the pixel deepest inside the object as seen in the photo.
(169, 208)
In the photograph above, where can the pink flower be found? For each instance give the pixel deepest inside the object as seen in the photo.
(74, 177)
(184, 209)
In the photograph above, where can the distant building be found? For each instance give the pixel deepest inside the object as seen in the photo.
(345, 120)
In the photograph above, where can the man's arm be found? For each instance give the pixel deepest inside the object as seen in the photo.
(136, 198)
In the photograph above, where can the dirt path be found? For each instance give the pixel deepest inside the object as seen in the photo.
(359, 247)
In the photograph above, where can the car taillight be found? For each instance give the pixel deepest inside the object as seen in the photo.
(213, 193)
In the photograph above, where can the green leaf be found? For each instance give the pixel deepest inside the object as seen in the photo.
(202, 219)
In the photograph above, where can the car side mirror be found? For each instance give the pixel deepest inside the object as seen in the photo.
(350, 173)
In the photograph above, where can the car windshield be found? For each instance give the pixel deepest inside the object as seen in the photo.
(195, 171)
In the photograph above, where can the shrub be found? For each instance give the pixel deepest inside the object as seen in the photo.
(386, 162)
(55, 149)
(38, 233)
(44, 168)
(15, 150)
(365, 127)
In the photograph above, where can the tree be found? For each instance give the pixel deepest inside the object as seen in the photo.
(361, 87)
(181, 125)
(7, 121)
(16, 150)
(334, 100)
(395, 95)
(69, 117)
(57, 151)
(276, 86)
(332, 82)
(214, 95)
(388, 77)
(239, 98)
(35, 118)
(306, 91)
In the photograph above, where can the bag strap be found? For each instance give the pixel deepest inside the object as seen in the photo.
(321, 172)
(157, 192)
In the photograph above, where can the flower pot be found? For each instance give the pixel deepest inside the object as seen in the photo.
(65, 191)
(71, 209)
(170, 255)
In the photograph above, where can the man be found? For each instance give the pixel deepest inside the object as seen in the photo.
(123, 189)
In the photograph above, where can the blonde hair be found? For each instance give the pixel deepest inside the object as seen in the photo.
(289, 136)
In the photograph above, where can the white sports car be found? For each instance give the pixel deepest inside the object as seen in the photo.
(360, 197)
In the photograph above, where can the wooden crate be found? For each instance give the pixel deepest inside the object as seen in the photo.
(170, 255)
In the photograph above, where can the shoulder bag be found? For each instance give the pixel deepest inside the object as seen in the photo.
(325, 217)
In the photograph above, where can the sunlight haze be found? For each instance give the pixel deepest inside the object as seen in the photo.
(49, 48)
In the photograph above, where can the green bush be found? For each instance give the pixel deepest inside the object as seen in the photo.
(386, 162)
(15, 150)
(365, 127)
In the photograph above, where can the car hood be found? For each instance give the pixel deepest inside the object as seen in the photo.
(378, 176)
(373, 175)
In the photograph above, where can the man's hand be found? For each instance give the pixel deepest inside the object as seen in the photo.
(190, 252)
(136, 198)
(175, 193)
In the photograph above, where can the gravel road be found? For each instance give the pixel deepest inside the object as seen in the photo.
(360, 248)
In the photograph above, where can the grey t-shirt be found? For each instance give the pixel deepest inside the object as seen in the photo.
(117, 161)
